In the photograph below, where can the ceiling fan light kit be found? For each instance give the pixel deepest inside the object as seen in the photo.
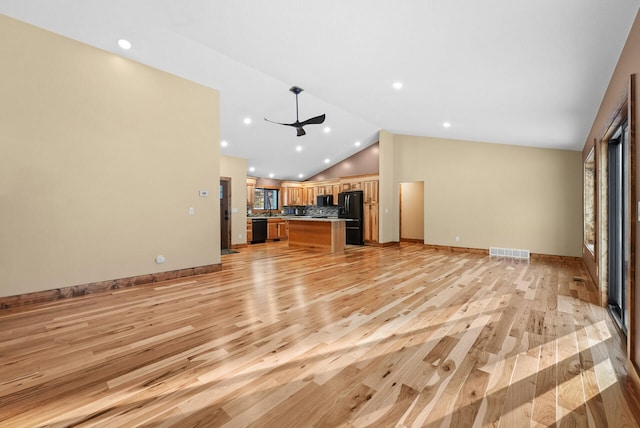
(297, 124)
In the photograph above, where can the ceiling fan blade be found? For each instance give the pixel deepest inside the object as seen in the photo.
(314, 120)
(280, 123)
(301, 132)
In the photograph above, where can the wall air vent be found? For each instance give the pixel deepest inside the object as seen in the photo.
(509, 252)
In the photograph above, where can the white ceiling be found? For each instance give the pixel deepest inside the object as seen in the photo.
(513, 72)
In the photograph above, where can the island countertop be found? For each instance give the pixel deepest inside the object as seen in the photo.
(301, 218)
(323, 233)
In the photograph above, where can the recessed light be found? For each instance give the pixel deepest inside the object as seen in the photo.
(327, 160)
(446, 124)
(300, 175)
(271, 175)
(224, 143)
(124, 44)
(397, 85)
(251, 169)
(357, 143)
(247, 121)
(327, 129)
(298, 148)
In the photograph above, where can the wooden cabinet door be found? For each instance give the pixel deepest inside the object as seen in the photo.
(272, 230)
(251, 188)
(371, 192)
(366, 227)
(297, 196)
(335, 191)
(370, 226)
(282, 230)
(373, 221)
(310, 196)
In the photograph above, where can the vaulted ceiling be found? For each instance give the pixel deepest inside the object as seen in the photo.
(502, 71)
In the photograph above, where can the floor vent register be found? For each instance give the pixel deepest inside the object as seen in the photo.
(509, 252)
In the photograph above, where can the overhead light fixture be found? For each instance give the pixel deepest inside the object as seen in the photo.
(357, 143)
(446, 124)
(247, 121)
(298, 148)
(327, 129)
(397, 85)
(224, 143)
(251, 169)
(300, 175)
(271, 175)
(124, 44)
(327, 160)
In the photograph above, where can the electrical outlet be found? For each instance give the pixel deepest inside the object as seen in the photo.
(457, 239)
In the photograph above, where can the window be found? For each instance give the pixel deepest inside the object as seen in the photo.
(266, 199)
(589, 202)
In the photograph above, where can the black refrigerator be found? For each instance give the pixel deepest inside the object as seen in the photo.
(352, 208)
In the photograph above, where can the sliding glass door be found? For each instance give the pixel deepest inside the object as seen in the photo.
(619, 225)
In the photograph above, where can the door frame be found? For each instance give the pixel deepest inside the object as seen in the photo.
(225, 200)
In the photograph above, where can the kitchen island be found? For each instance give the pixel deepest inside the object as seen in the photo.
(323, 233)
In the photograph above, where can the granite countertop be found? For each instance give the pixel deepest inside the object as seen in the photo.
(311, 218)
(300, 217)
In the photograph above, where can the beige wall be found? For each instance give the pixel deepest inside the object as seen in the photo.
(412, 210)
(628, 65)
(236, 169)
(487, 194)
(101, 159)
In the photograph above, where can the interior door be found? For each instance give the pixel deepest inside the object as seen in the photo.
(225, 218)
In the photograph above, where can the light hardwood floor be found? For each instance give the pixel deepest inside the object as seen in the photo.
(397, 336)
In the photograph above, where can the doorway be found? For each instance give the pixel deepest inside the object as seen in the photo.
(412, 211)
(619, 233)
(225, 218)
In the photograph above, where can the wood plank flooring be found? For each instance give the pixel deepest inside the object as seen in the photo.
(397, 336)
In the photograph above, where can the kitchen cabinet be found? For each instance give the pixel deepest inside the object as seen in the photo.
(371, 223)
(295, 195)
(272, 231)
(371, 191)
(251, 190)
(249, 231)
(351, 185)
(309, 196)
(335, 189)
(276, 229)
(292, 193)
(283, 229)
(371, 209)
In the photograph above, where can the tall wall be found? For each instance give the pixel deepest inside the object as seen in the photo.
(486, 194)
(101, 160)
(628, 65)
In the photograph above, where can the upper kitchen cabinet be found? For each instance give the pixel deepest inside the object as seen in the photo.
(370, 186)
(292, 193)
(251, 190)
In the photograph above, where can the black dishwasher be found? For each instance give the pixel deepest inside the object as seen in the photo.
(259, 230)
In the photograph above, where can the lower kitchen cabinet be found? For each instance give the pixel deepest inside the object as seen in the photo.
(371, 225)
(276, 229)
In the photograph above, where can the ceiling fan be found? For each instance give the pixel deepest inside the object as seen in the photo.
(297, 124)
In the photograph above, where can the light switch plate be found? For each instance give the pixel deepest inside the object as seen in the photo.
(204, 193)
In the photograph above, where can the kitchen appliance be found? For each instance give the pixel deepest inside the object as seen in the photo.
(324, 200)
(352, 208)
(258, 230)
